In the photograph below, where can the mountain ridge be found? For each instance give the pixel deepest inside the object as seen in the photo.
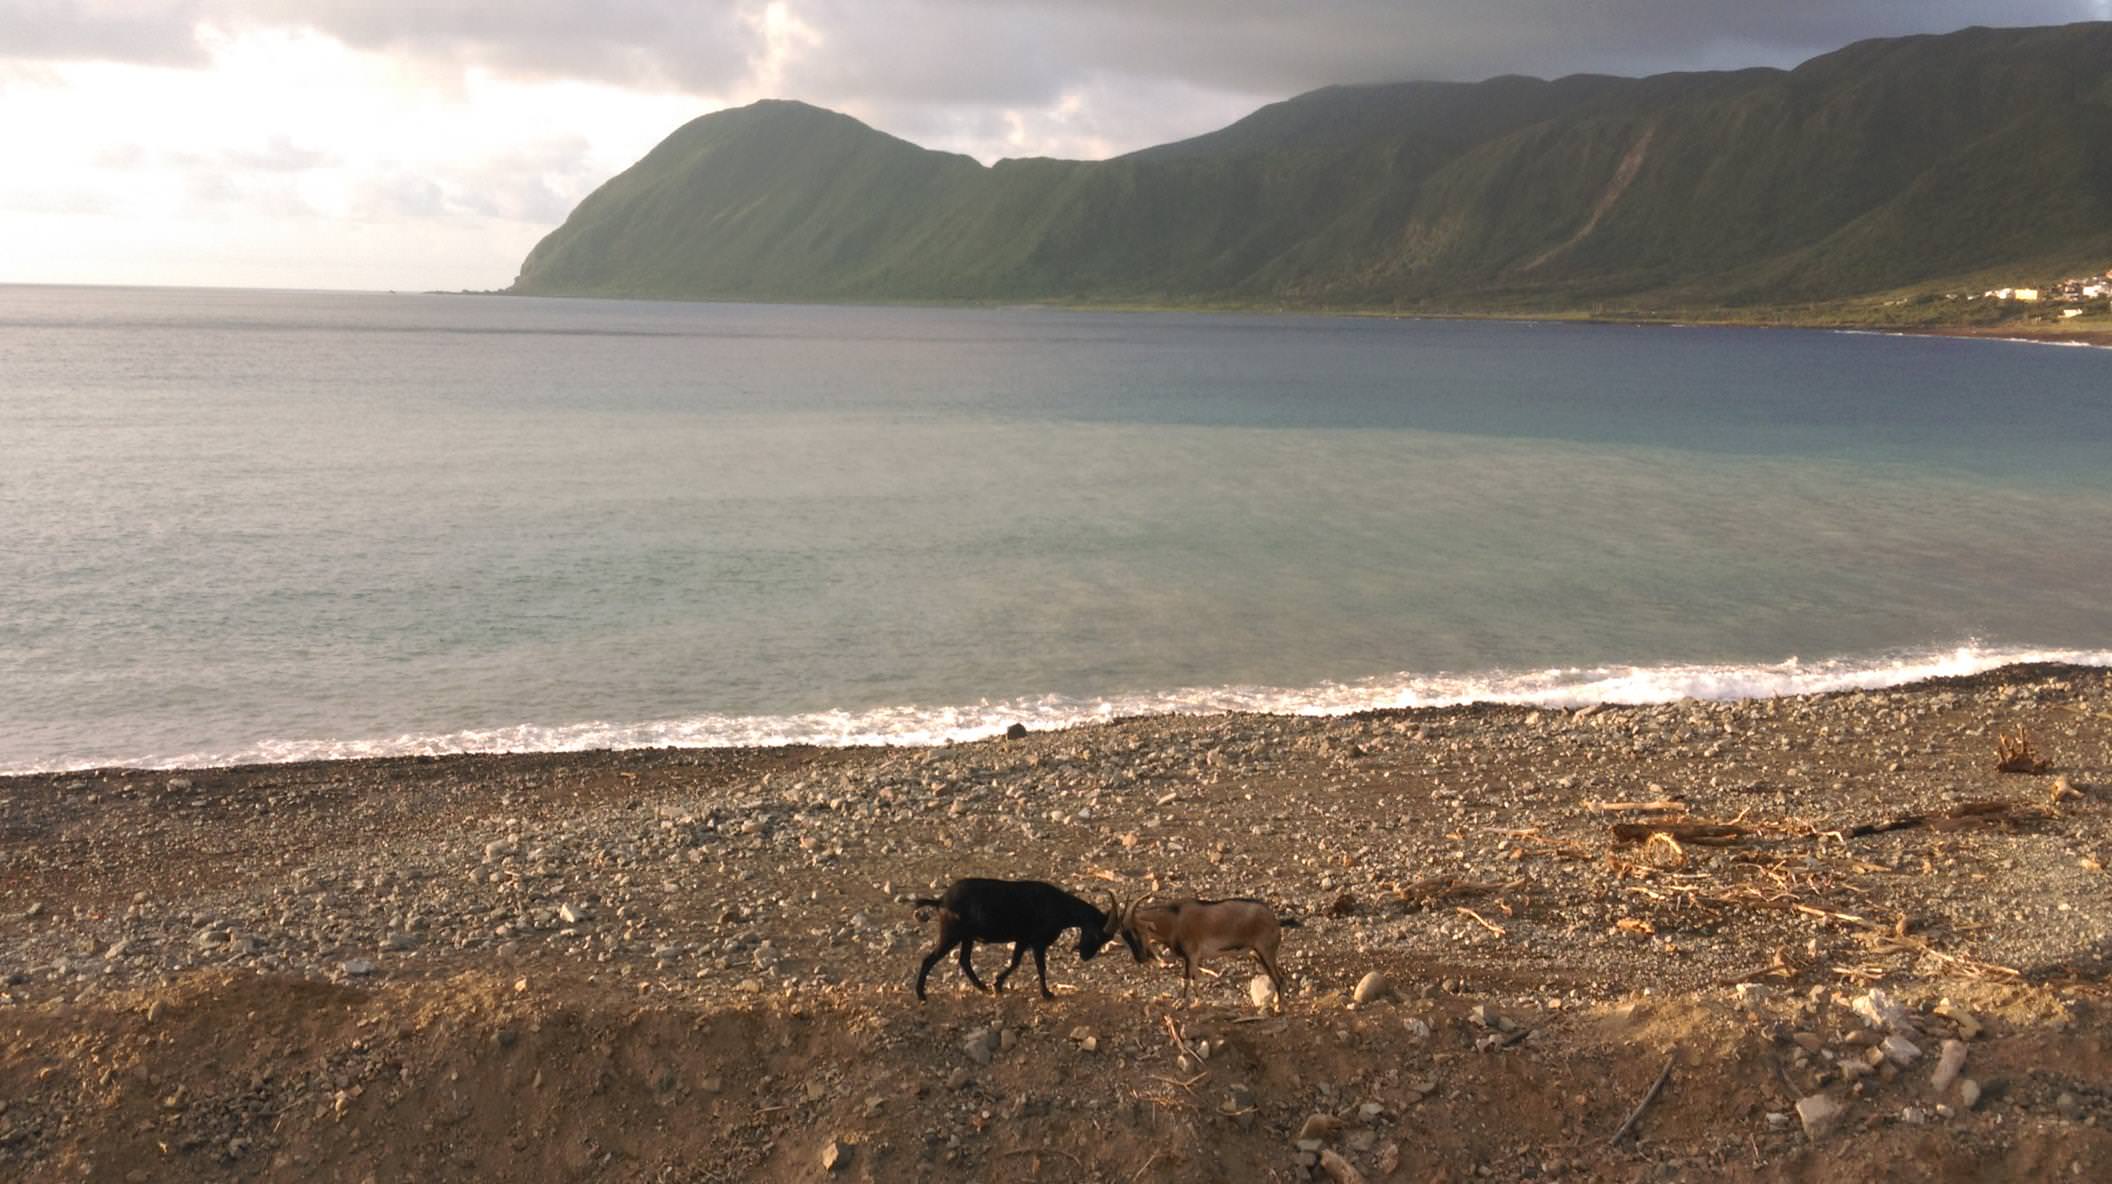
(1880, 165)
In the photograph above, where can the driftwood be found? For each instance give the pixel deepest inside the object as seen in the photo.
(1963, 816)
(1662, 806)
(1705, 834)
(2013, 753)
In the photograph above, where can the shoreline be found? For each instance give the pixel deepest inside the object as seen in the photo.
(2093, 335)
(513, 966)
(918, 726)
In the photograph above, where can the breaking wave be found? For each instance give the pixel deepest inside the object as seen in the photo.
(924, 726)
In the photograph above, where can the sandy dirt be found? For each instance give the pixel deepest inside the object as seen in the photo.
(696, 965)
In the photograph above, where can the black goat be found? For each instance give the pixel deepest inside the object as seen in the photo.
(1028, 913)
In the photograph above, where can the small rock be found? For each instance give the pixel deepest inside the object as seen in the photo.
(570, 914)
(1339, 1169)
(1777, 1119)
(1968, 1093)
(1949, 1063)
(179, 784)
(1968, 1026)
(1318, 1126)
(118, 949)
(1880, 1011)
(2068, 1107)
(1389, 1159)
(980, 1044)
(1900, 1050)
(1371, 986)
(1808, 1041)
(1913, 1116)
(1819, 1114)
(399, 941)
(1262, 991)
(35, 910)
(835, 1155)
(1488, 1017)
(1016, 732)
(359, 967)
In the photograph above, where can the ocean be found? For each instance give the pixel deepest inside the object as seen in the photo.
(256, 526)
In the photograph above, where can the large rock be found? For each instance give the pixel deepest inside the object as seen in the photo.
(1371, 987)
(1262, 991)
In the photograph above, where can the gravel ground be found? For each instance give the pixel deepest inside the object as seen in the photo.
(1464, 854)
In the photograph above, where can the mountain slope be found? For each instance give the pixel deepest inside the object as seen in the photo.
(1885, 164)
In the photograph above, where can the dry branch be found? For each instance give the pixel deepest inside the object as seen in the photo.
(2013, 753)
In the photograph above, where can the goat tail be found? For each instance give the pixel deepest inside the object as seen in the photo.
(1290, 922)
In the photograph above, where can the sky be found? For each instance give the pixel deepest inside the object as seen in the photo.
(428, 144)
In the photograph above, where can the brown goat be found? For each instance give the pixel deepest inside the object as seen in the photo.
(1195, 929)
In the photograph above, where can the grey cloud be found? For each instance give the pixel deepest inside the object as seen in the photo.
(1006, 52)
(969, 73)
(153, 32)
(1018, 51)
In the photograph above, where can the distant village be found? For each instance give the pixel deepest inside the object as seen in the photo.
(2072, 297)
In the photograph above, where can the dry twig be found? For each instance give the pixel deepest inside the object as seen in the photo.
(1648, 1098)
(1487, 924)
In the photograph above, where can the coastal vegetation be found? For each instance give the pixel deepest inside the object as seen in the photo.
(1875, 178)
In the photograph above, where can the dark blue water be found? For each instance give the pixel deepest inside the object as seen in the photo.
(268, 525)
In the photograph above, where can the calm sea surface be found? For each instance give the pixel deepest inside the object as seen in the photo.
(265, 525)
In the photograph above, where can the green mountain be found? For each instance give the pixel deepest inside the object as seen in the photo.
(1881, 166)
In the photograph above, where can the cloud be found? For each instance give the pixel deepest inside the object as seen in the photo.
(429, 142)
(1004, 53)
(148, 32)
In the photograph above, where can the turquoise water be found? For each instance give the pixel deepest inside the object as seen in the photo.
(263, 525)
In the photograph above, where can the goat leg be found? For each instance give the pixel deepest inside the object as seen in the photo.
(1019, 950)
(930, 961)
(1041, 969)
(968, 967)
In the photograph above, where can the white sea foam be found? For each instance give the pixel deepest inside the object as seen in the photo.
(924, 726)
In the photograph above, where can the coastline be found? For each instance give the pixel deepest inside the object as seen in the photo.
(2095, 335)
(417, 967)
(916, 725)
